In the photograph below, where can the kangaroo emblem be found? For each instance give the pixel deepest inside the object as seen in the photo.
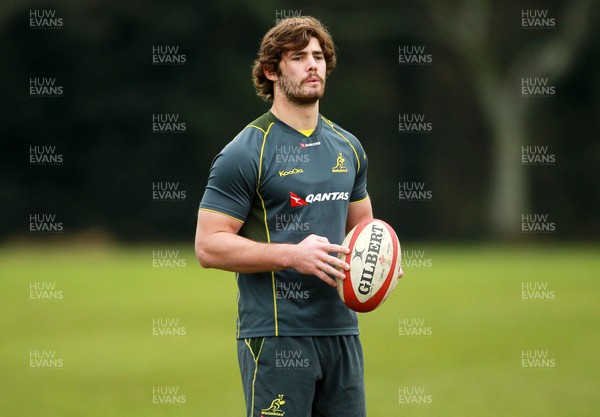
(339, 166)
(275, 405)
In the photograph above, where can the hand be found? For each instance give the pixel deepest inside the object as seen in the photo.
(312, 256)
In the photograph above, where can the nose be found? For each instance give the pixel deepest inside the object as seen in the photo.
(312, 63)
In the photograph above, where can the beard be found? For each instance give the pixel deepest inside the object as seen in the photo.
(295, 92)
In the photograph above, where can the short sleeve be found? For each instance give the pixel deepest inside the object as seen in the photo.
(233, 177)
(359, 191)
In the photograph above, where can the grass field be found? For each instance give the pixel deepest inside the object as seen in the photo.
(466, 301)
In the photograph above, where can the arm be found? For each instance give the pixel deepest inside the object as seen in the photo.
(357, 212)
(219, 246)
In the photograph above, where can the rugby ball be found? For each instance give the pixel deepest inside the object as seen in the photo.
(374, 261)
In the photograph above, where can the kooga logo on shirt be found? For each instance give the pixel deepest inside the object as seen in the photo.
(296, 201)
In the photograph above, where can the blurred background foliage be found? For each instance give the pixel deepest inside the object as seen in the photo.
(103, 123)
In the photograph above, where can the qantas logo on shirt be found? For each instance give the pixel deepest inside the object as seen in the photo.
(297, 201)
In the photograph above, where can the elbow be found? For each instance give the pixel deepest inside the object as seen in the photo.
(202, 255)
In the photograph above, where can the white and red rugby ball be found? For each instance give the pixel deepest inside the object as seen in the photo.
(374, 261)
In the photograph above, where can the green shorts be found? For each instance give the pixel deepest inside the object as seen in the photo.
(319, 376)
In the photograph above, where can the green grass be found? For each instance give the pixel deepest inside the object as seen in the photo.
(470, 365)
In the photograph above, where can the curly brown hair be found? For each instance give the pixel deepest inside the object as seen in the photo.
(290, 34)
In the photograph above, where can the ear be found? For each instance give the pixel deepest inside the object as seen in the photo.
(271, 75)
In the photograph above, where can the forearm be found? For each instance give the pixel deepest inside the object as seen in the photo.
(235, 253)
(218, 245)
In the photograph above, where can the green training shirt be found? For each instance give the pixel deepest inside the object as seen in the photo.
(284, 186)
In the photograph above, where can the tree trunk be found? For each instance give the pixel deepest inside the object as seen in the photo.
(509, 192)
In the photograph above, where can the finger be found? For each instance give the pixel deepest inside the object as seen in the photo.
(321, 239)
(338, 263)
(328, 269)
(335, 261)
(324, 277)
(337, 249)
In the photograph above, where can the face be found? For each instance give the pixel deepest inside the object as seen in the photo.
(301, 77)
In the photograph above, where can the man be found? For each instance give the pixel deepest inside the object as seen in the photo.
(280, 198)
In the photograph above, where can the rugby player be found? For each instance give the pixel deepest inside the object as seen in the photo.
(279, 200)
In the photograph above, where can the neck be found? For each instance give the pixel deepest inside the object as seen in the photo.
(298, 117)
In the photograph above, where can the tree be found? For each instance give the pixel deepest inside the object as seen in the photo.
(466, 28)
